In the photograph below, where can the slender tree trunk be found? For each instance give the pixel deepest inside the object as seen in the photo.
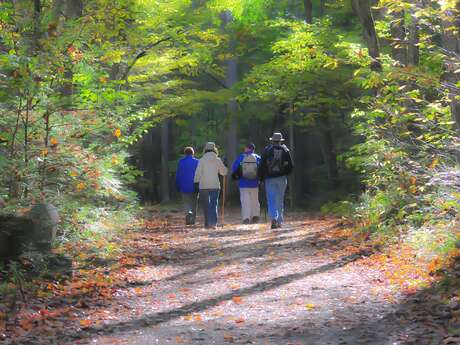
(329, 152)
(292, 178)
(398, 33)
(308, 7)
(26, 124)
(451, 45)
(362, 9)
(231, 78)
(322, 8)
(413, 50)
(165, 196)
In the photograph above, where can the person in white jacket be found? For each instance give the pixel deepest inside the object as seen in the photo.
(207, 174)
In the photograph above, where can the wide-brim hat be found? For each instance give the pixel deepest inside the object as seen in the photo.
(210, 146)
(277, 136)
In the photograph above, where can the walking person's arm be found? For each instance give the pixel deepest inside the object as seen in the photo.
(221, 167)
(289, 163)
(198, 172)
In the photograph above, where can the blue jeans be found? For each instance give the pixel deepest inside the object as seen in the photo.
(275, 188)
(189, 201)
(209, 199)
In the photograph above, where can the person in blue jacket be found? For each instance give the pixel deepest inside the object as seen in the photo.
(245, 169)
(184, 183)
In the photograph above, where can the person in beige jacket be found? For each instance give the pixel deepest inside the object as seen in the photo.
(207, 174)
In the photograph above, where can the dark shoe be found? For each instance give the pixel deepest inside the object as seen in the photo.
(246, 221)
(274, 224)
(279, 224)
(255, 220)
(189, 219)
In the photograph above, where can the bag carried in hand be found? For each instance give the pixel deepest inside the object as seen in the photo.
(249, 167)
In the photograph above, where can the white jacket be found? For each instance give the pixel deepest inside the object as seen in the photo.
(207, 173)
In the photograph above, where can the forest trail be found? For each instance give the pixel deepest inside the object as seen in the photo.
(245, 284)
(310, 282)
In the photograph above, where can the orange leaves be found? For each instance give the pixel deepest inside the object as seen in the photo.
(26, 324)
(80, 186)
(195, 317)
(237, 299)
(85, 323)
(54, 142)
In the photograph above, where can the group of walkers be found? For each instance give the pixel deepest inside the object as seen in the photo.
(198, 181)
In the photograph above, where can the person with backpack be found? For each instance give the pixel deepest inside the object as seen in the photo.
(245, 169)
(207, 174)
(185, 174)
(276, 164)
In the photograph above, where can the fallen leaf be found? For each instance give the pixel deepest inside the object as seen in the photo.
(26, 324)
(237, 299)
(228, 338)
(310, 306)
(85, 323)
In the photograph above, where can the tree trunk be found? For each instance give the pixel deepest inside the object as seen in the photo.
(362, 9)
(308, 7)
(451, 44)
(231, 140)
(292, 178)
(329, 152)
(398, 33)
(165, 196)
(413, 50)
(322, 8)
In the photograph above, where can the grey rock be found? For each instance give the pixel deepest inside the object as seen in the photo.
(45, 218)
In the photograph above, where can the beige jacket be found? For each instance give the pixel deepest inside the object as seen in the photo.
(207, 173)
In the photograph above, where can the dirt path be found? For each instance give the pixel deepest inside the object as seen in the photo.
(301, 284)
(307, 283)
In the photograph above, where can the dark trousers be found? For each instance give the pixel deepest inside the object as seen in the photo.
(189, 201)
(209, 199)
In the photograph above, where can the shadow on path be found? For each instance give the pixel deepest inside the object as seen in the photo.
(158, 318)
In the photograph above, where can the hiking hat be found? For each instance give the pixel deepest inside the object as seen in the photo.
(276, 137)
(210, 146)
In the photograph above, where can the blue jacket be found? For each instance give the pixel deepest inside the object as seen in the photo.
(185, 174)
(244, 182)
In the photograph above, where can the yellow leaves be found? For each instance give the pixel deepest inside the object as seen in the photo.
(115, 160)
(309, 306)
(73, 173)
(117, 133)
(433, 164)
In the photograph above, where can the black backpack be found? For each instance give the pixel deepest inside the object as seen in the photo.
(276, 160)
